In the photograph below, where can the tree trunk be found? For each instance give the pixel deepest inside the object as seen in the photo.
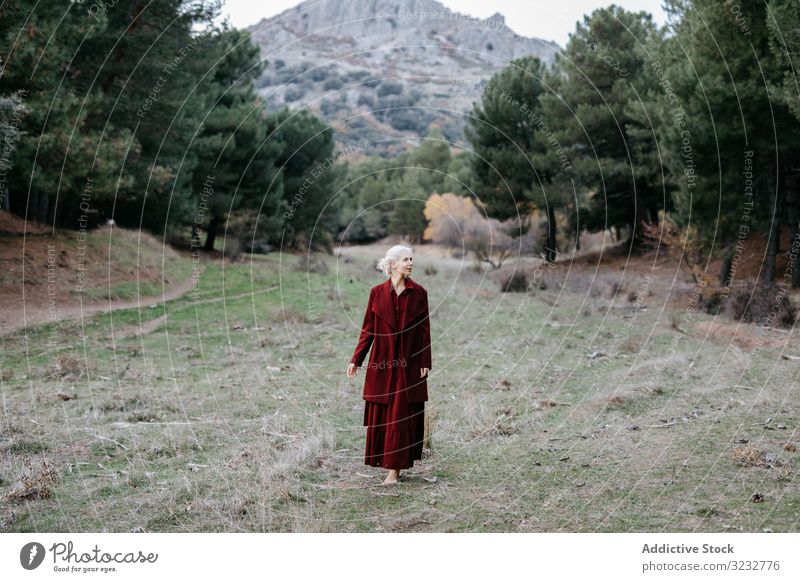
(726, 270)
(773, 245)
(37, 206)
(31, 208)
(794, 247)
(43, 207)
(51, 212)
(18, 204)
(550, 249)
(638, 219)
(211, 233)
(66, 214)
(789, 181)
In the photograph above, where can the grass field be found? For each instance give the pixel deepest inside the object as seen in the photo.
(559, 410)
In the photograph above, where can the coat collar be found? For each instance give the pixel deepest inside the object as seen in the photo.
(409, 284)
(384, 308)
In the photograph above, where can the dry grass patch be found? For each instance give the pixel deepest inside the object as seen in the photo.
(750, 456)
(66, 367)
(36, 481)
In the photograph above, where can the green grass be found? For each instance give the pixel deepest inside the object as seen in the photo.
(185, 428)
(134, 289)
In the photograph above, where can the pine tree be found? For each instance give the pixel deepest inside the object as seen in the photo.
(60, 159)
(310, 167)
(236, 160)
(408, 217)
(151, 63)
(511, 163)
(783, 20)
(733, 140)
(597, 117)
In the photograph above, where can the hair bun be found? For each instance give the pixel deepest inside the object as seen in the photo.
(393, 254)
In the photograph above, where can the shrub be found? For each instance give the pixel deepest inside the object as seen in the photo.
(713, 303)
(333, 83)
(291, 73)
(355, 75)
(329, 108)
(389, 88)
(366, 99)
(761, 303)
(455, 222)
(403, 120)
(293, 94)
(318, 75)
(517, 282)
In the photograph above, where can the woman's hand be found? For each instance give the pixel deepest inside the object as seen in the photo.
(351, 370)
(423, 372)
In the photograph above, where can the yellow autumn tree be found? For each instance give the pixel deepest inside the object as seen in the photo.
(455, 221)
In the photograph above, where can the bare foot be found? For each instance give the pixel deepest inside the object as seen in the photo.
(392, 477)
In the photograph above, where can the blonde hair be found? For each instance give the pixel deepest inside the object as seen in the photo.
(392, 256)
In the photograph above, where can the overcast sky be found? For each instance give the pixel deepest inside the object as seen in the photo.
(545, 19)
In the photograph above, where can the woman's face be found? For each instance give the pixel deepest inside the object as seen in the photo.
(404, 264)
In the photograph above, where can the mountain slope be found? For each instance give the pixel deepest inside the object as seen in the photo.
(385, 69)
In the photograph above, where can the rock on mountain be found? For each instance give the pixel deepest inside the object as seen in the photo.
(384, 71)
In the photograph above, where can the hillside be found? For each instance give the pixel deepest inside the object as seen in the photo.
(385, 69)
(43, 271)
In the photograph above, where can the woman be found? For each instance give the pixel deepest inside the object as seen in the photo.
(397, 327)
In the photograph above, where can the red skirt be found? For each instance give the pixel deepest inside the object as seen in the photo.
(395, 431)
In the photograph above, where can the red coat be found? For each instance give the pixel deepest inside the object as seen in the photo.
(379, 331)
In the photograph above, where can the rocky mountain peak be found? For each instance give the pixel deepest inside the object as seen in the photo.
(402, 64)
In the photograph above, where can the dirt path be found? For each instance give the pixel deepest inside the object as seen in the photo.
(30, 317)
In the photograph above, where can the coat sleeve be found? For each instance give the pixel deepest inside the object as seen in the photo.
(426, 337)
(367, 334)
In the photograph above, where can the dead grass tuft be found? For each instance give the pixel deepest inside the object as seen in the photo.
(631, 344)
(34, 482)
(750, 456)
(482, 421)
(615, 402)
(67, 367)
